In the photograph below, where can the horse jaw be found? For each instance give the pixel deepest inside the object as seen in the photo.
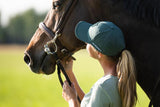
(48, 65)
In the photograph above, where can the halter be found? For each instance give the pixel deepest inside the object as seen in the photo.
(53, 36)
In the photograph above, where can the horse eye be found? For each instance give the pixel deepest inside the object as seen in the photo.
(56, 4)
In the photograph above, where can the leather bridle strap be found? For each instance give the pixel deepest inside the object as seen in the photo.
(47, 31)
(60, 67)
(65, 16)
(53, 36)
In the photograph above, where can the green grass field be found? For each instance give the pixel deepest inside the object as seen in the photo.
(19, 87)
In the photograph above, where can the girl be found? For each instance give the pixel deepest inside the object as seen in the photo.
(117, 88)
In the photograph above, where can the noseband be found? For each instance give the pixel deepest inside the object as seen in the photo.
(43, 27)
(53, 36)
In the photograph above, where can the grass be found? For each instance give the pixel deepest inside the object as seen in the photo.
(19, 87)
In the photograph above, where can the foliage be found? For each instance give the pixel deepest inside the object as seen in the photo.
(1, 34)
(21, 27)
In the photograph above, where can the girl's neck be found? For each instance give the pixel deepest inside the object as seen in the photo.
(109, 67)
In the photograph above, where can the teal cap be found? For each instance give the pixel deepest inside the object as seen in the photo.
(104, 36)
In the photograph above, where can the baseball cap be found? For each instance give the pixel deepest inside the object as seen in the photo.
(104, 36)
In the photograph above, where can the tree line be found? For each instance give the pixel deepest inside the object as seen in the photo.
(21, 27)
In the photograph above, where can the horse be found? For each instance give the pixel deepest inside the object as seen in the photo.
(138, 19)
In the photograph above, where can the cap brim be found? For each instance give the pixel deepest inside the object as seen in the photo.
(81, 31)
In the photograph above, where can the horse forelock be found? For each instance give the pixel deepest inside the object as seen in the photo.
(144, 9)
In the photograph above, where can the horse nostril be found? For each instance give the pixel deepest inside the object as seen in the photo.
(27, 59)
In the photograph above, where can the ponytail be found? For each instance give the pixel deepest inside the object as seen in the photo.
(127, 79)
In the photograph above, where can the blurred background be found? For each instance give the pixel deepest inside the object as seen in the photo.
(19, 19)
(19, 87)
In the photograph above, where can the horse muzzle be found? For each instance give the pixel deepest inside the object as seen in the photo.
(42, 64)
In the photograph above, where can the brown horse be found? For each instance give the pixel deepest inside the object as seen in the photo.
(138, 19)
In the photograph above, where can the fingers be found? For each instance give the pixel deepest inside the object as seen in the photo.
(72, 85)
(67, 61)
(68, 91)
(65, 85)
(68, 65)
(65, 89)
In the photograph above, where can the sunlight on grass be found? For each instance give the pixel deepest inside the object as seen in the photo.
(19, 87)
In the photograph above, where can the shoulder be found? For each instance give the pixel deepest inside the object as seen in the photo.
(109, 87)
(106, 85)
(108, 82)
(103, 94)
(99, 97)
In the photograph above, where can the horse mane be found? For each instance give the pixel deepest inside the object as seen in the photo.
(144, 9)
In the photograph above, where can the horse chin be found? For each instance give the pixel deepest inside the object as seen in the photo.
(47, 71)
(48, 65)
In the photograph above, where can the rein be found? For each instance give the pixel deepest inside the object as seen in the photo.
(60, 67)
(53, 36)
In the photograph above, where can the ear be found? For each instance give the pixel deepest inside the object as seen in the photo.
(99, 55)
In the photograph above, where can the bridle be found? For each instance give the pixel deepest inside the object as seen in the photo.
(54, 37)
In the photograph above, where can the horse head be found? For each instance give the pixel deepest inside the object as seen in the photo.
(61, 19)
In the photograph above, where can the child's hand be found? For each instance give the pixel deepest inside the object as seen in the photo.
(68, 65)
(69, 92)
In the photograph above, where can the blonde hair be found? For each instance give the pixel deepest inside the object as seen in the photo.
(127, 79)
